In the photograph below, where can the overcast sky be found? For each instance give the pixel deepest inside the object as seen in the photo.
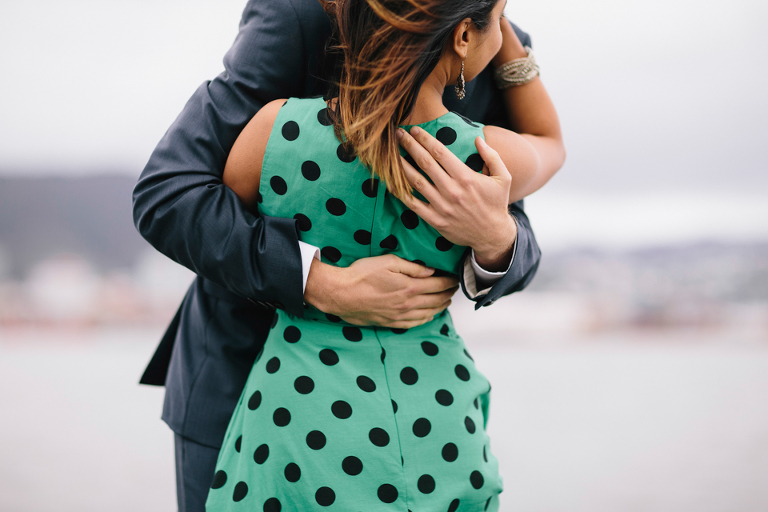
(664, 97)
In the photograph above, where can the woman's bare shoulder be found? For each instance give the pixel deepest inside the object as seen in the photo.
(242, 172)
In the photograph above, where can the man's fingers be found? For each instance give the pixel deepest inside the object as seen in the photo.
(436, 301)
(491, 158)
(449, 162)
(431, 285)
(423, 156)
(419, 183)
(410, 268)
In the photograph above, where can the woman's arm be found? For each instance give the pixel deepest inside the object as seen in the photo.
(536, 152)
(242, 172)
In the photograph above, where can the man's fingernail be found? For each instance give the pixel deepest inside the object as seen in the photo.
(415, 130)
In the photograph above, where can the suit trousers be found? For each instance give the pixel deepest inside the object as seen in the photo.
(195, 464)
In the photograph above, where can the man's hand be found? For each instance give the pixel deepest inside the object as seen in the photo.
(466, 207)
(382, 290)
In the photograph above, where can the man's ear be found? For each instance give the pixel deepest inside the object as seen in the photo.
(461, 37)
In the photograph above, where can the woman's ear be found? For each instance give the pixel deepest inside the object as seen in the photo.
(461, 37)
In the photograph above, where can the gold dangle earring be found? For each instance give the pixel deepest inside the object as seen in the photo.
(460, 93)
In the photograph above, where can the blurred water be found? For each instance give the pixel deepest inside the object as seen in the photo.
(594, 426)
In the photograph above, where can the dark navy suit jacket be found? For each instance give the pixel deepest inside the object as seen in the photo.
(248, 265)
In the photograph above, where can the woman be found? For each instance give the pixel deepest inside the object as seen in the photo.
(364, 418)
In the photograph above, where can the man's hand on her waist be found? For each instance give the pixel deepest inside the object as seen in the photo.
(382, 290)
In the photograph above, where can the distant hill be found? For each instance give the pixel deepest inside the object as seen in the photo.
(89, 216)
(92, 217)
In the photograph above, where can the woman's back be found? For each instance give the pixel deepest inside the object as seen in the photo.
(356, 418)
(339, 206)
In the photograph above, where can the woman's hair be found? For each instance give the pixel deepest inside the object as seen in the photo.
(389, 47)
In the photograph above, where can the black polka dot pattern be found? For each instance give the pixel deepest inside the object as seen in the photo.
(278, 184)
(292, 334)
(273, 365)
(475, 162)
(329, 357)
(219, 479)
(310, 170)
(446, 135)
(341, 409)
(371, 187)
(272, 505)
(352, 466)
(352, 333)
(379, 437)
(345, 155)
(429, 348)
(444, 397)
(281, 417)
(332, 254)
(362, 237)
(292, 472)
(450, 452)
(304, 385)
(422, 427)
(409, 219)
(442, 244)
(336, 206)
(426, 484)
(255, 401)
(409, 376)
(261, 454)
(241, 491)
(387, 493)
(317, 388)
(389, 243)
(324, 117)
(366, 384)
(303, 222)
(290, 131)
(477, 480)
(325, 496)
(316, 440)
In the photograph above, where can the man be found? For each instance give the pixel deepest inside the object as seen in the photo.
(248, 265)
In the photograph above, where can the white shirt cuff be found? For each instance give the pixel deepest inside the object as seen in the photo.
(308, 253)
(479, 281)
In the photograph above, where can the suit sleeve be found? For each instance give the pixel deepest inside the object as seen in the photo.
(527, 254)
(180, 204)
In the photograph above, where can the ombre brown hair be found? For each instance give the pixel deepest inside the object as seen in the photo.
(388, 48)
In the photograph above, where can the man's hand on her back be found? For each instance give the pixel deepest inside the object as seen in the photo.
(381, 290)
(466, 207)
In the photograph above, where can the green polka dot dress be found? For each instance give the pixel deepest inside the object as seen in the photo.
(336, 417)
